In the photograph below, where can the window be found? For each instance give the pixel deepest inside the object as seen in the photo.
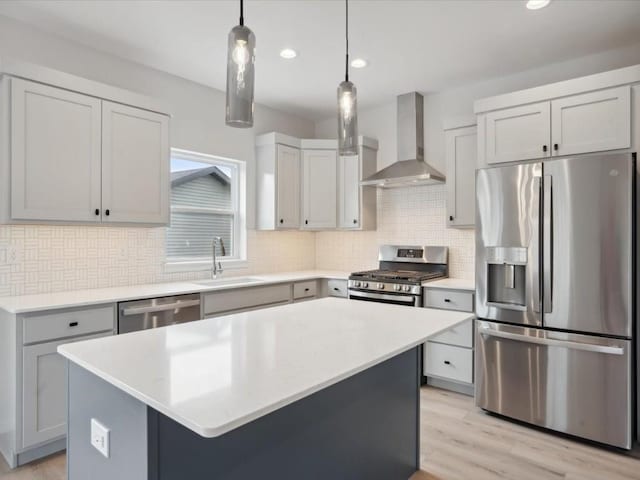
(205, 203)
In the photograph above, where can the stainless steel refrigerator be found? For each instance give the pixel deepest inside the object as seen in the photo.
(555, 302)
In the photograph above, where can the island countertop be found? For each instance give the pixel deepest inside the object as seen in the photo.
(215, 375)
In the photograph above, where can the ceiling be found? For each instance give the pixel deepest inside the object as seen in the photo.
(426, 45)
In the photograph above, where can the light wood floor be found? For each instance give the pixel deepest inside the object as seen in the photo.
(461, 442)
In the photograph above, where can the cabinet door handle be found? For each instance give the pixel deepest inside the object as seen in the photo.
(306, 222)
(447, 362)
(106, 212)
(555, 147)
(447, 300)
(97, 211)
(73, 324)
(544, 148)
(451, 218)
(355, 221)
(281, 220)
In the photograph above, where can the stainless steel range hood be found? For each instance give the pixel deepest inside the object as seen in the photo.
(410, 169)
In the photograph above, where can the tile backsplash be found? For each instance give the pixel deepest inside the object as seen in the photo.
(411, 216)
(59, 258)
(43, 259)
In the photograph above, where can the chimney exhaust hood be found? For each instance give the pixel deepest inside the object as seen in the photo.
(410, 169)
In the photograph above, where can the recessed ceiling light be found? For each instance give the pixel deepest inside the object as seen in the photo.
(537, 4)
(288, 53)
(359, 63)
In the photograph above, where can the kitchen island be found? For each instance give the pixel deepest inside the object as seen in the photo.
(319, 389)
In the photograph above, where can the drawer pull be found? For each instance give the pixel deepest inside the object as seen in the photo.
(447, 362)
(336, 289)
(73, 324)
(446, 300)
(306, 289)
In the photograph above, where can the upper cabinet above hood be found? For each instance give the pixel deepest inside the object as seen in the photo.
(410, 169)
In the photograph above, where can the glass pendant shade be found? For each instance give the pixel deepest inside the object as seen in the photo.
(240, 77)
(347, 119)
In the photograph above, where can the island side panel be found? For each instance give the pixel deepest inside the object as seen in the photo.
(126, 418)
(366, 426)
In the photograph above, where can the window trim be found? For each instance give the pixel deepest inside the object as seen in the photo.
(238, 208)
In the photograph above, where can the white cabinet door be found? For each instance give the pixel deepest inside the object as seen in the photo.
(349, 192)
(288, 187)
(592, 122)
(44, 392)
(55, 154)
(319, 189)
(518, 133)
(135, 165)
(461, 155)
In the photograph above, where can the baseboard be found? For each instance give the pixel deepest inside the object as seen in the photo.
(463, 388)
(42, 451)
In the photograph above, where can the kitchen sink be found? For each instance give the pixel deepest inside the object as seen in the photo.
(229, 281)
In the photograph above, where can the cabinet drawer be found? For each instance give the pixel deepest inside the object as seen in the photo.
(446, 361)
(448, 299)
(67, 323)
(245, 298)
(337, 288)
(460, 335)
(304, 289)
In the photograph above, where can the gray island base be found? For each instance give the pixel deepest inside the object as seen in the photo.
(363, 427)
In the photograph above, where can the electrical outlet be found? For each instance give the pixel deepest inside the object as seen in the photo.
(100, 437)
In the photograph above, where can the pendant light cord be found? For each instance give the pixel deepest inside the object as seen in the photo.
(346, 63)
(241, 12)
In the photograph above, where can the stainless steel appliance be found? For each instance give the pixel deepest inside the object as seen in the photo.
(554, 297)
(403, 269)
(157, 312)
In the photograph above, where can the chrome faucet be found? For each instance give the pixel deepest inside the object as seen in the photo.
(217, 266)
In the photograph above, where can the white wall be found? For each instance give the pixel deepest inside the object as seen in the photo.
(62, 258)
(417, 214)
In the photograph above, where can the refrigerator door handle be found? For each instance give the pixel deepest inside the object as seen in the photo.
(547, 244)
(551, 342)
(535, 246)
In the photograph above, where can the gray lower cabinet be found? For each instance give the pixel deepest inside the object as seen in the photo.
(448, 357)
(44, 380)
(33, 396)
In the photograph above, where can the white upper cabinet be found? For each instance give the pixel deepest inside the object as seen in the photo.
(69, 155)
(288, 182)
(461, 156)
(592, 122)
(303, 184)
(55, 154)
(135, 165)
(519, 133)
(578, 116)
(349, 191)
(319, 189)
(277, 183)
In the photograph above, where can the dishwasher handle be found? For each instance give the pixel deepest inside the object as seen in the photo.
(160, 308)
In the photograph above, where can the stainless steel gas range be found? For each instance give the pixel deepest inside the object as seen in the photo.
(402, 271)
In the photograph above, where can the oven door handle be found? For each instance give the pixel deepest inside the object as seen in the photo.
(408, 299)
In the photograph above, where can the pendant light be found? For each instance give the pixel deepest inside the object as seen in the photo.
(347, 105)
(240, 75)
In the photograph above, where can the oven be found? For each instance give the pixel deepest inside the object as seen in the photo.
(407, 299)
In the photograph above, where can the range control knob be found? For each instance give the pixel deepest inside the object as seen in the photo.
(356, 284)
(381, 286)
(397, 287)
(365, 285)
(406, 288)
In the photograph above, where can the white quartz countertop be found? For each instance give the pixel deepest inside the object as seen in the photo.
(78, 298)
(452, 283)
(215, 375)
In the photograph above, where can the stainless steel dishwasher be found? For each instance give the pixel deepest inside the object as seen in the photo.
(157, 312)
